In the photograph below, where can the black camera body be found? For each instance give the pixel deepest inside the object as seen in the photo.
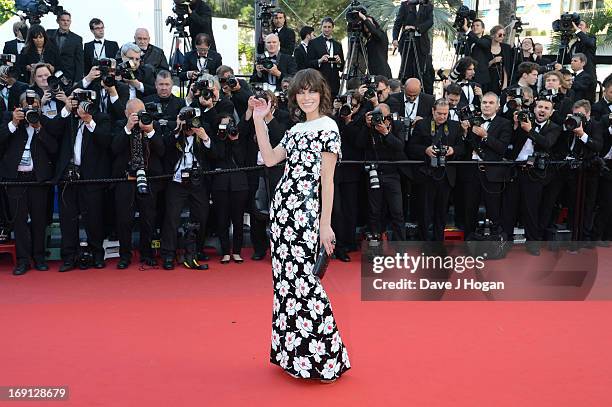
(265, 15)
(538, 160)
(347, 108)
(464, 13)
(155, 110)
(526, 115)
(371, 85)
(145, 117)
(202, 88)
(107, 67)
(265, 61)
(126, 69)
(58, 82)
(259, 92)
(439, 161)
(574, 120)
(230, 81)
(472, 114)
(564, 23)
(282, 96)
(353, 22)
(373, 178)
(515, 98)
(192, 176)
(377, 117)
(7, 58)
(227, 129)
(86, 99)
(191, 117)
(73, 172)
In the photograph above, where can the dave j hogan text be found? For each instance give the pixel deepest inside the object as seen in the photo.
(467, 284)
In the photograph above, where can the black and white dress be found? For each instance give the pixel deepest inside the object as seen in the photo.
(305, 339)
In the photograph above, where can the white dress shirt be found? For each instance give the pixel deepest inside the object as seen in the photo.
(26, 164)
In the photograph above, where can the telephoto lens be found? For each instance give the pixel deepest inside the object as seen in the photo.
(141, 182)
(88, 107)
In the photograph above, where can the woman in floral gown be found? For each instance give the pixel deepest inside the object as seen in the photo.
(305, 339)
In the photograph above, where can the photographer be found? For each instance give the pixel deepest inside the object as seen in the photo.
(276, 67)
(151, 55)
(187, 156)
(110, 99)
(602, 227)
(167, 105)
(208, 98)
(603, 108)
(377, 46)
(415, 17)
(39, 48)
(15, 46)
(488, 139)
(286, 35)
(463, 74)
(234, 89)
(436, 141)
(201, 58)
(325, 54)
(10, 88)
(562, 105)
(139, 77)
(263, 182)
(230, 192)
(347, 177)
(138, 149)
(199, 20)
(516, 98)
(586, 43)
(381, 140)
(100, 47)
(531, 143)
(52, 100)
(412, 103)
(69, 46)
(300, 53)
(453, 93)
(585, 84)
(580, 141)
(83, 154)
(28, 148)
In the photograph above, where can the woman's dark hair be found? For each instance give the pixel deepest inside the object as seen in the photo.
(463, 64)
(313, 80)
(35, 31)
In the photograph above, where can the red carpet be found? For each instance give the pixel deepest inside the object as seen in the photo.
(186, 338)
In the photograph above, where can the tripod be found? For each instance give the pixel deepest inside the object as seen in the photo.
(564, 46)
(460, 47)
(356, 46)
(177, 66)
(409, 46)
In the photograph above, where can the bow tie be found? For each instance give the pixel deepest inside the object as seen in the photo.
(61, 34)
(328, 39)
(464, 84)
(98, 41)
(487, 121)
(21, 41)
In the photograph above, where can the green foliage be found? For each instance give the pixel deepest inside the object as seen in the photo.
(599, 23)
(6, 5)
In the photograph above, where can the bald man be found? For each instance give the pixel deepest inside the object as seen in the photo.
(127, 198)
(151, 54)
(412, 102)
(283, 65)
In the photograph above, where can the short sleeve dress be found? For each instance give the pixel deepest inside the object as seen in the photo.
(305, 338)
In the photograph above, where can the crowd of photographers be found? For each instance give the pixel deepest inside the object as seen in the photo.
(101, 111)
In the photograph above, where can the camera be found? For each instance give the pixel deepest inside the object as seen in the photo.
(181, 9)
(347, 108)
(126, 70)
(191, 117)
(526, 115)
(265, 61)
(464, 13)
(373, 179)
(137, 164)
(564, 23)
(377, 117)
(32, 115)
(538, 160)
(439, 160)
(58, 82)
(259, 92)
(353, 22)
(192, 175)
(281, 96)
(371, 85)
(573, 121)
(155, 110)
(86, 99)
(265, 16)
(202, 88)
(227, 129)
(405, 124)
(73, 172)
(85, 259)
(107, 67)
(230, 81)
(35, 9)
(515, 97)
(518, 25)
(145, 117)
(7, 58)
(472, 114)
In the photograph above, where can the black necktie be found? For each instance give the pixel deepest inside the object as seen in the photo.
(98, 41)
(61, 34)
(574, 74)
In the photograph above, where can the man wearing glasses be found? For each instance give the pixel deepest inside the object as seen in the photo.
(99, 47)
(200, 59)
(143, 82)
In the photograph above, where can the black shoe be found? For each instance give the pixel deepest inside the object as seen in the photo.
(168, 264)
(258, 256)
(342, 256)
(99, 264)
(123, 264)
(67, 266)
(21, 269)
(193, 264)
(203, 256)
(41, 266)
(149, 261)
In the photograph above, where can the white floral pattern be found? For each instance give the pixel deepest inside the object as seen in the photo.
(305, 338)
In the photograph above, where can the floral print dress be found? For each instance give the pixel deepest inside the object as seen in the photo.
(305, 339)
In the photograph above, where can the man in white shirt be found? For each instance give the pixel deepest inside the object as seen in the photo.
(100, 47)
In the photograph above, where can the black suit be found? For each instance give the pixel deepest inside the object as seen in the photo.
(191, 63)
(423, 21)
(240, 98)
(10, 47)
(200, 21)
(30, 56)
(146, 75)
(286, 36)
(155, 57)
(127, 199)
(463, 99)
(116, 110)
(436, 185)
(601, 109)
(110, 49)
(487, 180)
(397, 104)
(14, 93)
(285, 64)
(377, 47)
(523, 194)
(24, 201)
(486, 76)
(170, 109)
(87, 200)
(565, 177)
(70, 54)
(331, 72)
(584, 86)
(602, 228)
(300, 54)
(587, 44)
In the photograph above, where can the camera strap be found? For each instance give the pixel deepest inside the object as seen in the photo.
(437, 136)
